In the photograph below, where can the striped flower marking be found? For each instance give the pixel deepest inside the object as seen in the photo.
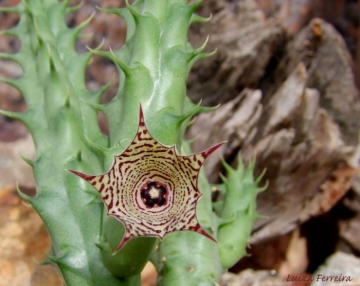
(150, 188)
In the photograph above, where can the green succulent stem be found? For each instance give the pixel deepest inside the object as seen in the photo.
(154, 65)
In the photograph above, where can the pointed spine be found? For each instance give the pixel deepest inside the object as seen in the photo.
(23, 195)
(12, 9)
(126, 70)
(11, 57)
(13, 115)
(194, 57)
(72, 9)
(95, 106)
(195, 18)
(83, 24)
(132, 11)
(31, 163)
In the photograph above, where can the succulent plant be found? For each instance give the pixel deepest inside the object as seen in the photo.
(90, 244)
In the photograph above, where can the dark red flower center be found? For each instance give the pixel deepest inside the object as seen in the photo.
(154, 194)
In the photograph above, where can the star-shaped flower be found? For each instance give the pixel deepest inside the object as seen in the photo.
(151, 189)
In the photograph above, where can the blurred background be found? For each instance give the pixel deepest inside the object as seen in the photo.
(287, 75)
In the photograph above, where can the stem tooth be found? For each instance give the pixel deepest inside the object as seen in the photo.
(126, 69)
(13, 115)
(13, 9)
(28, 161)
(56, 260)
(96, 147)
(195, 18)
(73, 8)
(82, 25)
(132, 11)
(99, 93)
(11, 57)
(23, 195)
(202, 47)
(97, 107)
(195, 57)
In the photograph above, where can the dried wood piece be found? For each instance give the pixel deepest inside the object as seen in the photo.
(298, 161)
(245, 43)
(328, 63)
(303, 124)
(294, 139)
(332, 190)
(281, 107)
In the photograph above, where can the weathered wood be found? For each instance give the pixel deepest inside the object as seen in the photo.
(245, 43)
(299, 115)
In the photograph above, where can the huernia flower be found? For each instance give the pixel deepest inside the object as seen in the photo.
(150, 188)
